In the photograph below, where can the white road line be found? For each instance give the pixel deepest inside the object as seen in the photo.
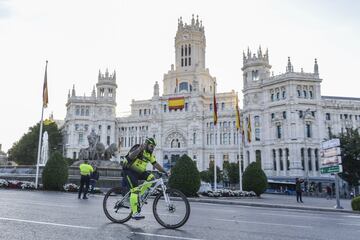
(297, 216)
(164, 236)
(350, 216)
(45, 223)
(350, 224)
(273, 224)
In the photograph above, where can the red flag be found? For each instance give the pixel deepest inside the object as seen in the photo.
(215, 110)
(249, 130)
(45, 89)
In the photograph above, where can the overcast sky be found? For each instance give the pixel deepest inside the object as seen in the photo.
(136, 38)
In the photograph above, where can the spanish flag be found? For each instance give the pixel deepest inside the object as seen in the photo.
(176, 103)
(215, 109)
(45, 89)
(237, 111)
(249, 130)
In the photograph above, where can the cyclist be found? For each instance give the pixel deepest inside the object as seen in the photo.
(135, 169)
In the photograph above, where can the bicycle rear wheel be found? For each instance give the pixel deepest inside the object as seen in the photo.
(172, 215)
(116, 207)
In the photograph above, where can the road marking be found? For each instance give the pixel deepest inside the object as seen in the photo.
(350, 216)
(350, 224)
(297, 216)
(164, 236)
(45, 223)
(274, 224)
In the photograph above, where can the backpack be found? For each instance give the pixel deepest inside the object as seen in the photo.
(129, 161)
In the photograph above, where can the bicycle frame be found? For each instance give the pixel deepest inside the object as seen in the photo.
(157, 182)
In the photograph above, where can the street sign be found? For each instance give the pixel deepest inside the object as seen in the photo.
(331, 169)
(325, 153)
(333, 160)
(331, 143)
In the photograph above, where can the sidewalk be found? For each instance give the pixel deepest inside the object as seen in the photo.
(282, 201)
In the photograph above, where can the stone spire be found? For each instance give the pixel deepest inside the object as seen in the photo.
(289, 67)
(156, 89)
(69, 94)
(316, 67)
(73, 94)
(93, 94)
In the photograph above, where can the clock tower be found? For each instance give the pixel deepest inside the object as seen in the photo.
(190, 45)
(189, 75)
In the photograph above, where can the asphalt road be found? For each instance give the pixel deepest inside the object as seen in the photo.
(53, 215)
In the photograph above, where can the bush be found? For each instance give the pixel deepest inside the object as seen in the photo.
(55, 173)
(355, 204)
(254, 179)
(185, 176)
(204, 176)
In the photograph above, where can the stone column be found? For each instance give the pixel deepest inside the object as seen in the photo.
(313, 162)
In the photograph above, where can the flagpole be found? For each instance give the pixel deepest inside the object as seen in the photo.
(215, 165)
(240, 172)
(39, 148)
(44, 104)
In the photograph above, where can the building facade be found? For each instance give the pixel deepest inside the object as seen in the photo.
(284, 117)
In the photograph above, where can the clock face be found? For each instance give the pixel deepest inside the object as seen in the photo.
(185, 36)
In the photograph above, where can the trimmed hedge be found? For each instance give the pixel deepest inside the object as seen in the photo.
(55, 173)
(254, 179)
(355, 204)
(185, 176)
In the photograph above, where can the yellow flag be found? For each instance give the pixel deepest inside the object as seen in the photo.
(237, 111)
(45, 89)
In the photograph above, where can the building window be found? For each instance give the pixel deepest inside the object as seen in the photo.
(139, 112)
(258, 157)
(329, 132)
(186, 106)
(210, 107)
(81, 138)
(305, 94)
(299, 93)
(74, 155)
(313, 113)
(257, 121)
(194, 138)
(257, 134)
(341, 116)
(87, 111)
(108, 127)
(283, 94)
(108, 140)
(302, 159)
(327, 116)
(284, 114)
(189, 61)
(277, 96)
(182, 62)
(274, 159)
(222, 106)
(311, 94)
(300, 114)
(77, 111)
(278, 131)
(183, 86)
(76, 127)
(255, 75)
(308, 130)
(309, 160)
(316, 153)
(272, 115)
(272, 97)
(165, 108)
(287, 159)
(281, 160)
(99, 127)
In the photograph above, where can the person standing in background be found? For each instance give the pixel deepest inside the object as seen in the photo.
(85, 170)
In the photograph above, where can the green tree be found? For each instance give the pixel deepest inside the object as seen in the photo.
(185, 176)
(219, 176)
(232, 170)
(24, 151)
(350, 154)
(254, 179)
(55, 173)
(204, 176)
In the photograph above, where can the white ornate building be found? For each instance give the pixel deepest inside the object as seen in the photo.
(287, 114)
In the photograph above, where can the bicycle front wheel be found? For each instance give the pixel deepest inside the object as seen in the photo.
(116, 207)
(175, 212)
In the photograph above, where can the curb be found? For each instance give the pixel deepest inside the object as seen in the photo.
(229, 202)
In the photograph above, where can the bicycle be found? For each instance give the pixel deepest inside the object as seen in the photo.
(168, 203)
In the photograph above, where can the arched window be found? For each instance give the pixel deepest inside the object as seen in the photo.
(258, 156)
(278, 96)
(182, 52)
(281, 160)
(287, 159)
(183, 86)
(305, 94)
(316, 153)
(309, 159)
(189, 50)
(303, 158)
(299, 93)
